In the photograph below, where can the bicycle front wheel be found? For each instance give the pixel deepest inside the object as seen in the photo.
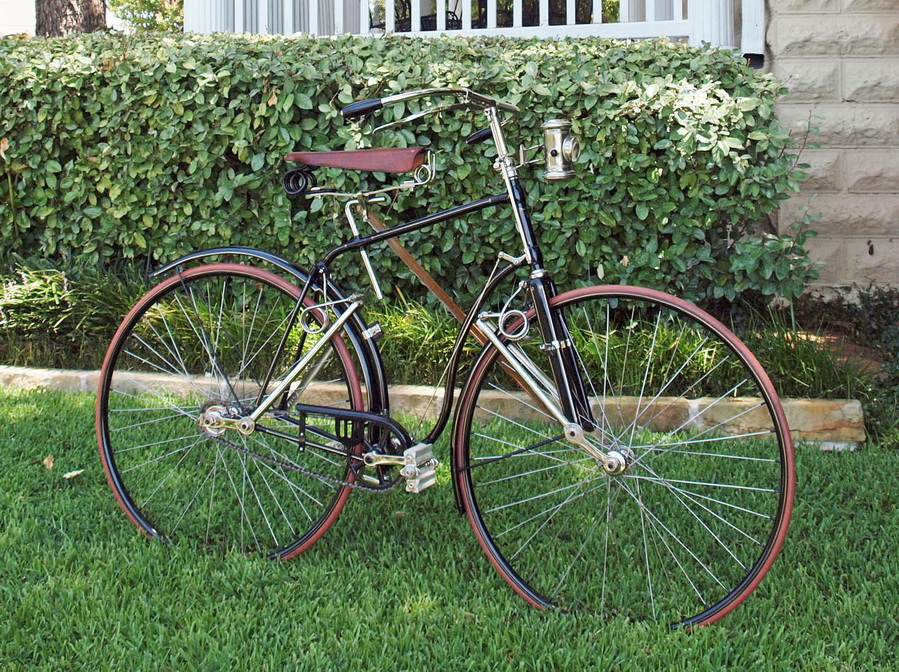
(687, 530)
(198, 346)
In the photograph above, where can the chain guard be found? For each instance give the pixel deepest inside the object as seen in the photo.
(349, 429)
(387, 487)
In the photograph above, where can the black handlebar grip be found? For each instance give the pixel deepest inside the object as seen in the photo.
(478, 136)
(361, 107)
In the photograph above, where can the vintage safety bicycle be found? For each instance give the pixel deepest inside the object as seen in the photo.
(615, 448)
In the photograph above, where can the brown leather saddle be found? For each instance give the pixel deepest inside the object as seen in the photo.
(388, 160)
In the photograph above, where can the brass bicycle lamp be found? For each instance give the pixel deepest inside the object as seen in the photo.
(562, 150)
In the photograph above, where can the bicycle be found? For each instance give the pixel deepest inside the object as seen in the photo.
(615, 448)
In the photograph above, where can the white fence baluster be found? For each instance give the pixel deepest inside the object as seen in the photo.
(338, 17)
(314, 28)
(364, 18)
(262, 23)
(238, 16)
(287, 14)
(415, 14)
(389, 16)
(710, 21)
(441, 15)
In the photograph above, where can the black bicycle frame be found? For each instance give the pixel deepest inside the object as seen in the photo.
(554, 332)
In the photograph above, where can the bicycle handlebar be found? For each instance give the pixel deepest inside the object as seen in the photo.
(362, 107)
(467, 96)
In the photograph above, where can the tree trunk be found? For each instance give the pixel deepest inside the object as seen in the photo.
(66, 17)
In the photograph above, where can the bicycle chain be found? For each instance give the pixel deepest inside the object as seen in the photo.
(307, 472)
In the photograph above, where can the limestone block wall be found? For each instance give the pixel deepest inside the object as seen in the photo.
(840, 60)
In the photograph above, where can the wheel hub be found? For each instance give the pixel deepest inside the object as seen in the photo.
(612, 461)
(215, 420)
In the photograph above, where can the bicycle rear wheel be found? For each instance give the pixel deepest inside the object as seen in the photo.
(202, 342)
(692, 524)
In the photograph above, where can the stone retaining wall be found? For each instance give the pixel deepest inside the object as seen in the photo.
(831, 423)
(840, 60)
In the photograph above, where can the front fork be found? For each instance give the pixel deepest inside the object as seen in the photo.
(574, 400)
(559, 347)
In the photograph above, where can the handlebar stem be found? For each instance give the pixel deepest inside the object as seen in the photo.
(507, 167)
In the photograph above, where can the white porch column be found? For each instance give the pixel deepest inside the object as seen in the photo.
(711, 21)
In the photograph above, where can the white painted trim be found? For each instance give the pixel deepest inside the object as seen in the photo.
(752, 39)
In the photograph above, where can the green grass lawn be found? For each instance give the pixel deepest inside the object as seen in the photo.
(399, 582)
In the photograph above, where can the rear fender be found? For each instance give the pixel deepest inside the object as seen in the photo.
(359, 332)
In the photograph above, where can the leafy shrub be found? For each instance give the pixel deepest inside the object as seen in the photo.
(56, 317)
(144, 147)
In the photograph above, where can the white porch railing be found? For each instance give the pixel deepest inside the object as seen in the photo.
(696, 21)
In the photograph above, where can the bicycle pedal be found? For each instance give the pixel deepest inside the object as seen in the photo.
(420, 467)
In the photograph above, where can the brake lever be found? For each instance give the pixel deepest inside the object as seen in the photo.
(483, 134)
(478, 136)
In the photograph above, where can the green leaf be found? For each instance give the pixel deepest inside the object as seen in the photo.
(642, 211)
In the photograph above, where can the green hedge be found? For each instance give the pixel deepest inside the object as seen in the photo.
(145, 147)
